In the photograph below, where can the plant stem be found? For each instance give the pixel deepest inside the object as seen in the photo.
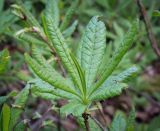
(148, 26)
(85, 117)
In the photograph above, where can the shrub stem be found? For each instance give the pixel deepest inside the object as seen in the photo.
(85, 117)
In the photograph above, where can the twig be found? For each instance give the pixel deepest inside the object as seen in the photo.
(148, 26)
(85, 117)
(101, 112)
(98, 123)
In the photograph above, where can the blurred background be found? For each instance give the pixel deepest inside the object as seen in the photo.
(144, 90)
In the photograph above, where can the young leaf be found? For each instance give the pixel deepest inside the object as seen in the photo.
(18, 106)
(69, 15)
(93, 47)
(69, 31)
(118, 55)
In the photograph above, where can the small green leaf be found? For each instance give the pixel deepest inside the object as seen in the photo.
(156, 13)
(119, 122)
(4, 60)
(69, 15)
(69, 31)
(18, 106)
(5, 117)
(74, 107)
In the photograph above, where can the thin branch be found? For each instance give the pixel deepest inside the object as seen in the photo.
(101, 112)
(148, 26)
(98, 123)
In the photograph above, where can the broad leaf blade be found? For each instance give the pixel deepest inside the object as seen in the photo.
(93, 47)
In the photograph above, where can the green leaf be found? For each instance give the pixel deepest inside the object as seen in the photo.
(18, 106)
(118, 55)
(52, 78)
(81, 74)
(69, 31)
(42, 89)
(20, 126)
(131, 121)
(62, 50)
(53, 10)
(119, 122)
(114, 85)
(156, 13)
(4, 60)
(24, 13)
(69, 15)
(4, 98)
(73, 107)
(5, 118)
(93, 47)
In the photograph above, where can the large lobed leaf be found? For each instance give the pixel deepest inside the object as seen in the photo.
(92, 48)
